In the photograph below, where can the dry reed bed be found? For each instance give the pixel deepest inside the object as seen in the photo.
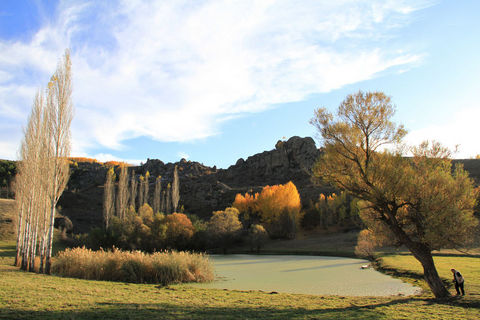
(165, 267)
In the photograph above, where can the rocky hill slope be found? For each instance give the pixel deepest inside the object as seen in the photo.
(205, 189)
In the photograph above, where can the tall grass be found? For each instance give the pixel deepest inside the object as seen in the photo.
(138, 267)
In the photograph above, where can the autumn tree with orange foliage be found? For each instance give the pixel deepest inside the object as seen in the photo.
(277, 206)
(179, 229)
(247, 206)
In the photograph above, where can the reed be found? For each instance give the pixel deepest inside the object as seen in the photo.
(164, 267)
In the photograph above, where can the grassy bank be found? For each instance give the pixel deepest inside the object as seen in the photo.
(33, 296)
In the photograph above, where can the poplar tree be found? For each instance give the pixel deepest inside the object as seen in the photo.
(146, 188)
(60, 114)
(141, 191)
(108, 197)
(133, 191)
(175, 190)
(168, 200)
(122, 192)
(157, 193)
(43, 168)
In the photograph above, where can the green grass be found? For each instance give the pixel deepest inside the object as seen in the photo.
(26, 295)
(7, 219)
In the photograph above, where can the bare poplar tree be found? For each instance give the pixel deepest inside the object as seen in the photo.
(30, 189)
(141, 191)
(175, 190)
(122, 192)
(60, 114)
(108, 197)
(133, 191)
(146, 188)
(157, 194)
(163, 202)
(168, 200)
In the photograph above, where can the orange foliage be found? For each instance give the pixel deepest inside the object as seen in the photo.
(179, 226)
(271, 202)
(83, 159)
(278, 199)
(247, 203)
(92, 160)
(113, 163)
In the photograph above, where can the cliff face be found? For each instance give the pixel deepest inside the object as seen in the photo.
(203, 189)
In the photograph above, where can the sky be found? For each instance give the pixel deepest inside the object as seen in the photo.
(215, 81)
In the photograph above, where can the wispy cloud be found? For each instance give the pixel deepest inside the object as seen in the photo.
(175, 70)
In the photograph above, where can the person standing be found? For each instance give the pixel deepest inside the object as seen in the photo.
(459, 282)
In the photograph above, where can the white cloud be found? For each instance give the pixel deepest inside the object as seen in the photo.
(461, 130)
(174, 70)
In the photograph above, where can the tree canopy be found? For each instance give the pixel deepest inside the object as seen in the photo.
(417, 201)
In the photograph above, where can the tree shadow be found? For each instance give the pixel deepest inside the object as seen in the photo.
(164, 310)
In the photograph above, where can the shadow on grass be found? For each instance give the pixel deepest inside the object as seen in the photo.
(7, 250)
(170, 311)
(167, 311)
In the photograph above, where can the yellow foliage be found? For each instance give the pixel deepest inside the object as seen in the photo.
(277, 199)
(83, 159)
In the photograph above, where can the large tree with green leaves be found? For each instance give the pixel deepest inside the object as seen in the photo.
(418, 202)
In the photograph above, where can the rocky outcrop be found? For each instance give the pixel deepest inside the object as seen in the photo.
(205, 189)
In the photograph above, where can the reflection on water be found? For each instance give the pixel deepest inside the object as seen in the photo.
(303, 274)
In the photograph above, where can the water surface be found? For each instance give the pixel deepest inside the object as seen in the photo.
(303, 274)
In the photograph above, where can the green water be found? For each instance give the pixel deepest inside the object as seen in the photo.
(303, 274)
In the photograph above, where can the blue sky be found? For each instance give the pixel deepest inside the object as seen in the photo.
(213, 81)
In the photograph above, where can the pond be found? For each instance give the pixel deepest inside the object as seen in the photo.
(303, 274)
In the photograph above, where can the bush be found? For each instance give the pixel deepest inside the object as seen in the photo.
(179, 230)
(135, 266)
(224, 227)
(257, 236)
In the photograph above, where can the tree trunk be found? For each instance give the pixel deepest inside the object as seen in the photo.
(48, 253)
(431, 275)
(424, 255)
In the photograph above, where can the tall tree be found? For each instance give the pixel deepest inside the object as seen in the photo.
(122, 192)
(60, 114)
(157, 193)
(168, 200)
(175, 190)
(108, 197)
(146, 188)
(133, 191)
(416, 201)
(141, 191)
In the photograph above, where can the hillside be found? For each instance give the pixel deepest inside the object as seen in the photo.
(7, 219)
(204, 189)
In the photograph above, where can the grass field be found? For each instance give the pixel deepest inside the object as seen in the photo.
(34, 296)
(26, 295)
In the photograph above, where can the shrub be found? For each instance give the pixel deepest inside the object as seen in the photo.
(135, 266)
(224, 227)
(257, 236)
(179, 230)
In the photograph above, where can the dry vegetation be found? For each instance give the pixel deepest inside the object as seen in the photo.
(138, 267)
